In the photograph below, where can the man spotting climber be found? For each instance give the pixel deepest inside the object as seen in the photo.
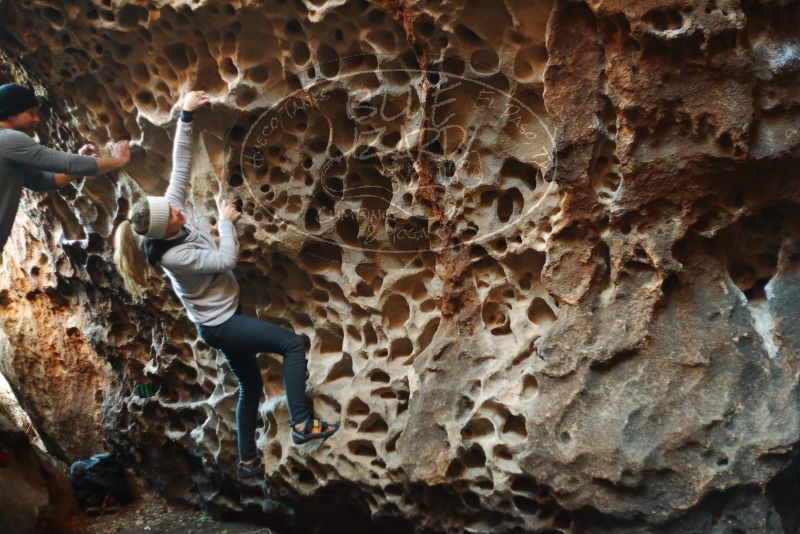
(26, 163)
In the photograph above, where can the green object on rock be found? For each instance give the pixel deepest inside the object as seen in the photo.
(147, 390)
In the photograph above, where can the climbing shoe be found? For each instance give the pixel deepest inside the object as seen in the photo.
(253, 469)
(323, 430)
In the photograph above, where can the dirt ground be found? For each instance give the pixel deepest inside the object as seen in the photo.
(150, 514)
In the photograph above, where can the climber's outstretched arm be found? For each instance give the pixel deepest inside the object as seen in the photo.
(183, 148)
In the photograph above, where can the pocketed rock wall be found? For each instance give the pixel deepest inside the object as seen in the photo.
(544, 256)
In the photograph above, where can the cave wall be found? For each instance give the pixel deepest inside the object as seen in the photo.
(544, 255)
(36, 493)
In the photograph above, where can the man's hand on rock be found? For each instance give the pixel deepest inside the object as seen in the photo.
(121, 151)
(114, 156)
(89, 150)
(119, 154)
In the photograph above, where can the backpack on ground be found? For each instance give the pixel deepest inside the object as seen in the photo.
(99, 482)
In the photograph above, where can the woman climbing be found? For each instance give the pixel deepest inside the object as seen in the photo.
(202, 276)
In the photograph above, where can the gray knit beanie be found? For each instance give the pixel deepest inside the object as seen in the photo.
(159, 217)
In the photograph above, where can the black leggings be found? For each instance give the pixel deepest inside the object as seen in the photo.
(240, 338)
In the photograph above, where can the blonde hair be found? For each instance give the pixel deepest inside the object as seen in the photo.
(128, 256)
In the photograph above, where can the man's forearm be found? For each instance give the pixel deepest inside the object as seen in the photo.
(104, 165)
(63, 179)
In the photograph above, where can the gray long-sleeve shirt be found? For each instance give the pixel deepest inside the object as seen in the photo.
(26, 163)
(200, 271)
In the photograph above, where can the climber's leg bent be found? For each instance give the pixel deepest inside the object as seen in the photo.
(265, 337)
(247, 334)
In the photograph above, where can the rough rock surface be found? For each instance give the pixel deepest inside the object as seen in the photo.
(36, 494)
(544, 255)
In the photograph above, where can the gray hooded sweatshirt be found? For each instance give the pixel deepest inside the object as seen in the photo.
(26, 163)
(200, 271)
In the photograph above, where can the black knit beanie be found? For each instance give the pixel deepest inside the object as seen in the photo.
(15, 99)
